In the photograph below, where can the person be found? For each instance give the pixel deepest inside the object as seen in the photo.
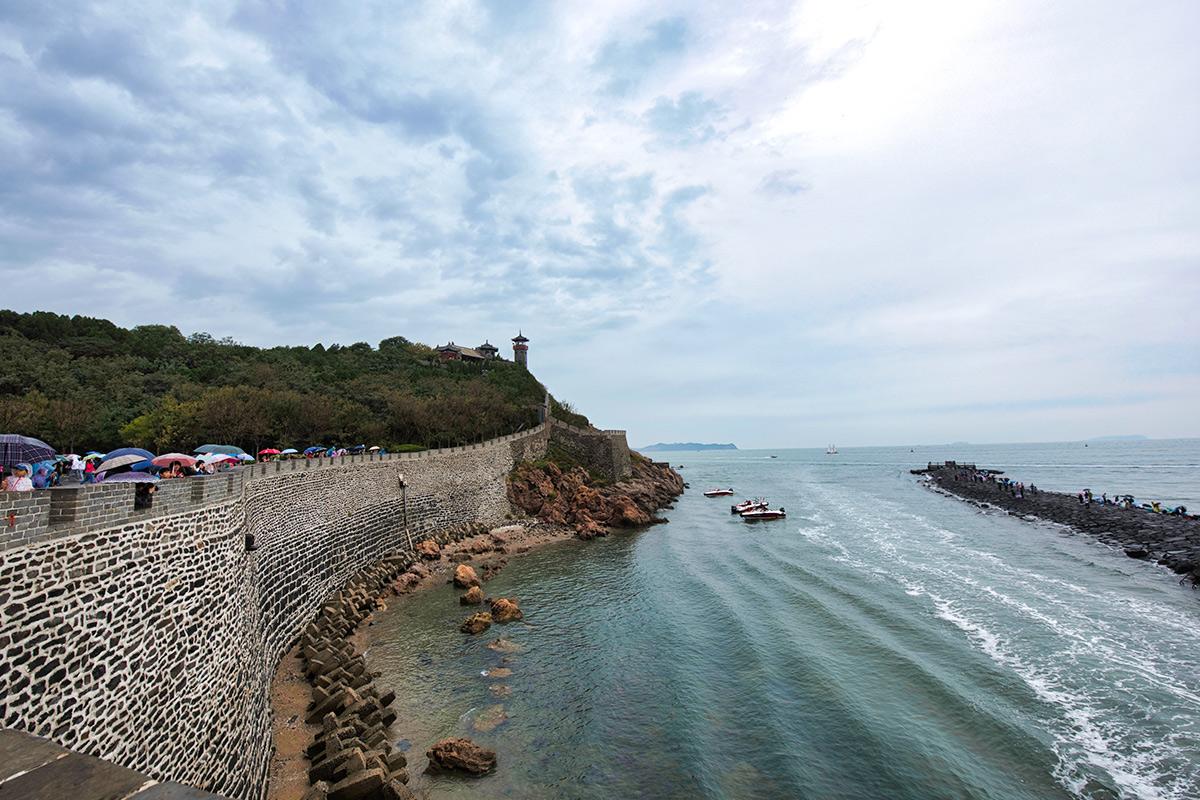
(19, 480)
(89, 470)
(175, 470)
(41, 477)
(77, 468)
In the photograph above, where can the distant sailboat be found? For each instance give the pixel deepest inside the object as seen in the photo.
(831, 450)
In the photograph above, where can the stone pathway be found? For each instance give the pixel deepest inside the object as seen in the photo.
(33, 768)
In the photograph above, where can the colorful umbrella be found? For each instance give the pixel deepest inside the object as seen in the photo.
(14, 448)
(245, 457)
(227, 449)
(93, 456)
(314, 449)
(145, 455)
(119, 461)
(168, 459)
(216, 458)
(288, 451)
(268, 451)
(131, 477)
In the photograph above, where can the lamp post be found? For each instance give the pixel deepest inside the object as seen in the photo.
(404, 506)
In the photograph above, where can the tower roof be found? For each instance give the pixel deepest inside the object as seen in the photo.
(519, 338)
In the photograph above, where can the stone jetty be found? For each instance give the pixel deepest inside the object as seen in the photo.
(1171, 540)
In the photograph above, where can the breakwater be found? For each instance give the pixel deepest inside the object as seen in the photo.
(1171, 540)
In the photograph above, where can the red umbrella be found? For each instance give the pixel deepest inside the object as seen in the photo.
(167, 459)
(269, 451)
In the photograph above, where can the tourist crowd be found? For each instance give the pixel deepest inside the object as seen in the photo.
(37, 466)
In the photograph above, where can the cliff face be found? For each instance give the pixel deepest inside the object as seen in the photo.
(569, 498)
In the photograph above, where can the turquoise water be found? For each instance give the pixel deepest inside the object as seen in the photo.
(882, 642)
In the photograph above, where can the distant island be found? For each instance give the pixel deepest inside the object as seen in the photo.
(678, 446)
(1131, 437)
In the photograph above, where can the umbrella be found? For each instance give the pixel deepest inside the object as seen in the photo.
(245, 457)
(168, 459)
(214, 458)
(119, 461)
(131, 477)
(268, 451)
(227, 449)
(314, 449)
(145, 455)
(290, 451)
(14, 448)
(93, 456)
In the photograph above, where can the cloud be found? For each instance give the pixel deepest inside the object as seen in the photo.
(614, 180)
(626, 62)
(784, 182)
(688, 119)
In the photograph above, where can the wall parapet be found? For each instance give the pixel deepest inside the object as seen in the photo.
(29, 517)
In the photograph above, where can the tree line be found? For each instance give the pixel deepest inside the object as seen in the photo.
(83, 383)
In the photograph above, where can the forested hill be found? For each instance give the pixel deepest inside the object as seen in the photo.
(82, 383)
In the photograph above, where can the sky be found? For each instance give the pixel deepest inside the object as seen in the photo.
(776, 224)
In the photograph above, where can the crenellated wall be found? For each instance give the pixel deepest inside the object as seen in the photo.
(150, 637)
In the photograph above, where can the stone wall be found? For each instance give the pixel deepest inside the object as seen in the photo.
(150, 637)
(605, 453)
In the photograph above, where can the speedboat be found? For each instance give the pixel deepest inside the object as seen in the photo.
(718, 492)
(748, 505)
(764, 513)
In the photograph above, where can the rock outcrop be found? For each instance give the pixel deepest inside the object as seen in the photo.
(473, 597)
(465, 577)
(505, 609)
(476, 623)
(572, 498)
(461, 755)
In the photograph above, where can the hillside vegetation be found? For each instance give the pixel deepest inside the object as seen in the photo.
(79, 382)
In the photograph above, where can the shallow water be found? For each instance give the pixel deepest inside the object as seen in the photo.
(883, 641)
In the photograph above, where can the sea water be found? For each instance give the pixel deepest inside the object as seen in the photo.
(883, 641)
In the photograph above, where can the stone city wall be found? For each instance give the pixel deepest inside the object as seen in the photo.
(150, 637)
(606, 453)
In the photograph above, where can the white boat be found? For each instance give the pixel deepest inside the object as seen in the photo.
(748, 505)
(718, 492)
(831, 450)
(764, 513)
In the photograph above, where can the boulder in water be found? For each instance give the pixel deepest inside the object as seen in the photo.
(476, 623)
(503, 645)
(1137, 551)
(489, 719)
(460, 755)
(465, 577)
(473, 597)
(505, 610)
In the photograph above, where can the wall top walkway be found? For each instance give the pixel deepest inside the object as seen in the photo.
(30, 517)
(34, 768)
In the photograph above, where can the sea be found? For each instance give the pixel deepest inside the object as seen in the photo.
(884, 641)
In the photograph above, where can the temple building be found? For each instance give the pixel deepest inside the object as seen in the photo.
(521, 350)
(453, 352)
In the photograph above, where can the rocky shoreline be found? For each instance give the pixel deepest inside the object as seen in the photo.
(333, 737)
(1172, 541)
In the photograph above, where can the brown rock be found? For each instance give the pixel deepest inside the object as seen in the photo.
(473, 597)
(500, 690)
(505, 610)
(429, 549)
(490, 718)
(460, 755)
(476, 623)
(503, 645)
(499, 672)
(465, 577)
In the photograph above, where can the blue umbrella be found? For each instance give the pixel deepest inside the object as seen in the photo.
(15, 448)
(226, 449)
(314, 449)
(146, 455)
